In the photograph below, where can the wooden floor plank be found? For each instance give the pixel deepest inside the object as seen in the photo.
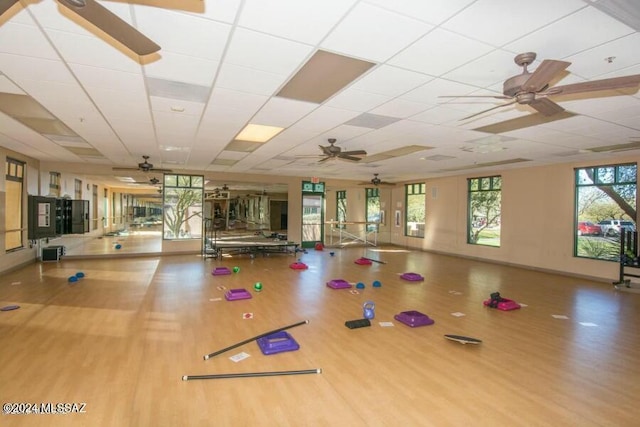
(121, 339)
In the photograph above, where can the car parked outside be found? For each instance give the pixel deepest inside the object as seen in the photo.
(587, 228)
(612, 227)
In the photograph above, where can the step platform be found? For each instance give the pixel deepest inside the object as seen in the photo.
(221, 271)
(237, 294)
(414, 318)
(338, 284)
(412, 277)
(277, 342)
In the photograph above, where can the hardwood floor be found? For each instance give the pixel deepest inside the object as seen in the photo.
(121, 338)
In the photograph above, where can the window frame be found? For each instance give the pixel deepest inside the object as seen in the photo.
(416, 189)
(479, 185)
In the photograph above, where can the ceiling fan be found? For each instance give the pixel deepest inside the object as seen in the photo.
(144, 167)
(152, 181)
(532, 88)
(333, 152)
(377, 181)
(105, 20)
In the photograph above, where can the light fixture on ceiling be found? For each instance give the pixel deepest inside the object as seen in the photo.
(258, 133)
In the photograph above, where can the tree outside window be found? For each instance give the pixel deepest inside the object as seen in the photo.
(484, 209)
(183, 195)
(372, 207)
(341, 208)
(415, 214)
(605, 208)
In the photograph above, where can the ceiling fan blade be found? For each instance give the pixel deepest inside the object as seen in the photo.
(476, 96)
(111, 24)
(325, 150)
(347, 157)
(324, 159)
(354, 153)
(125, 169)
(6, 4)
(489, 109)
(546, 106)
(544, 74)
(596, 85)
(523, 122)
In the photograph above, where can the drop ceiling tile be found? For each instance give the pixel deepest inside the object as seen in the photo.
(266, 53)
(440, 114)
(359, 33)
(189, 35)
(20, 68)
(32, 41)
(55, 98)
(225, 117)
(426, 55)
(307, 21)
(106, 78)
(577, 32)
(244, 79)
(324, 119)
(430, 92)
(237, 100)
(7, 86)
(183, 68)
(372, 121)
(175, 123)
(592, 63)
(175, 107)
(432, 11)
(357, 100)
(89, 50)
(401, 108)
(499, 21)
(231, 155)
(390, 81)
(490, 69)
(217, 10)
(282, 112)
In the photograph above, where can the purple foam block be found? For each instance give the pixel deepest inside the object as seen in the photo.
(414, 318)
(236, 294)
(412, 277)
(338, 284)
(9, 307)
(277, 342)
(220, 271)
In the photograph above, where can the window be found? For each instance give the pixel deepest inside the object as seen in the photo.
(485, 202)
(415, 212)
(182, 196)
(54, 184)
(372, 208)
(13, 204)
(341, 208)
(77, 187)
(605, 208)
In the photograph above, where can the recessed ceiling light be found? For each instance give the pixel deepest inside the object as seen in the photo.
(258, 133)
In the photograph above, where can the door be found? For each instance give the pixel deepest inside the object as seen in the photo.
(312, 219)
